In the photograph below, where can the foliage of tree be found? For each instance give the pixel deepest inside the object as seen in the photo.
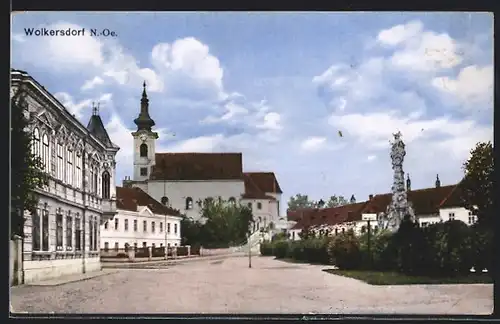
(26, 169)
(477, 185)
(344, 251)
(336, 201)
(223, 224)
(300, 201)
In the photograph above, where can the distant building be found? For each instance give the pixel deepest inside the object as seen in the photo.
(184, 180)
(431, 205)
(141, 221)
(62, 236)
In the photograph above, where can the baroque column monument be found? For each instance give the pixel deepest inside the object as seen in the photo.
(399, 208)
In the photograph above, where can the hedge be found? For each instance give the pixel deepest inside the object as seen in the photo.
(443, 249)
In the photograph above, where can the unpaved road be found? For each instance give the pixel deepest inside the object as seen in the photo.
(229, 286)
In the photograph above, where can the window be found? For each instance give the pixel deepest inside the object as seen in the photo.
(424, 224)
(472, 218)
(451, 216)
(278, 207)
(175, 228)
(144, 244)
(143, 150)
(106, 225)
(105, 185)
(59, 230)
(60, 162)
(144, 172)
(161, 227)
(145, 226)
(78, 236)
(69, 232)
(232, 200)
(35, 231)
(91, 179)
(78, 176)
(164, 200)
(135, 225)
(343, 230)
(259, 205)
(94, 188)
(249, 205)
(293, 235)
(135, 247)
(106, 246)
(336, 231)
(45, 153)
(69, 168)
(152, 227)
(168, 227)
(126, 225)
(189, 203)
(153, 245)
(363, 229)
(91, 233)
(116, 224)
(96, 234)
(35, 145)
(116, 246)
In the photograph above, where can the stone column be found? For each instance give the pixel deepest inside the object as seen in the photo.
(150, 253)
(189, 250)
(16, 260)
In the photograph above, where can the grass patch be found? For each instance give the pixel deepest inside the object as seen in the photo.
(394, 278)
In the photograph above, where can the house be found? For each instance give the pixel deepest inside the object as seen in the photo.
(62, 235)
(431, 205)
(184, 180)
(141, 221)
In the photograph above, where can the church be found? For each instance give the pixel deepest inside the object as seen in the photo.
(183, 181)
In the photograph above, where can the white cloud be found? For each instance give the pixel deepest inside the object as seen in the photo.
(472, 85)
(90, 84)
(400, 33)
(272, 121)
(371, 157)
(197, 144)
(313, 143)
(74, 108)
(421, 50)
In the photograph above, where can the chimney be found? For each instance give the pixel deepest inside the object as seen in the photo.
(370, 197)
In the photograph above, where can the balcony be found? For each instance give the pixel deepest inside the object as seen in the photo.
(108, 207)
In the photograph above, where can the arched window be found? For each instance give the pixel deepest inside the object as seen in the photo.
(69, 167)
(45, 153)
(143, 150)
(106, 179)
(232, 200)
(164, 200)
(189, 203)
(35, 145)
(60, 162)
(78, 177)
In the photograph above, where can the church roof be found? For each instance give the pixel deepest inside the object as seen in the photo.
(328, 216)
(197, 166)
(130, 198)
(266, 181)
(252, 190)
(96, 128)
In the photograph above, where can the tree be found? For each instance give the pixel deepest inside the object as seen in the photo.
(300, 201)
(26, 169)
(476, 188)
(336, 201)
(226, 224)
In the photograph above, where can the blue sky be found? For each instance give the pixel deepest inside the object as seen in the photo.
(280, 86)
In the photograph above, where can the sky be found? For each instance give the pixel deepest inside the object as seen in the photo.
(314, 97)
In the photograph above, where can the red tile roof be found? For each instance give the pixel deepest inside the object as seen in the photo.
(252, 190)
(266, 181)
(197, 166)
(426, 201)
(131, 198)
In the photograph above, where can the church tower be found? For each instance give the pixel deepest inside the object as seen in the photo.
(144, 141)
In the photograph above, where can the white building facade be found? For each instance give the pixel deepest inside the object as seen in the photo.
(62, 235)
(140, 222)
(183, 181)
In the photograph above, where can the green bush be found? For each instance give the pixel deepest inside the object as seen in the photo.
(297, 250)
(281, 249)
(482, 248)
(316, 250)
(266, 248)
(344, 251)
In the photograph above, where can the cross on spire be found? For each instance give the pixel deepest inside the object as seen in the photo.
(95, 108)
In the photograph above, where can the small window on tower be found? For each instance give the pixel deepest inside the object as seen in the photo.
(143, 150)
(144, 172)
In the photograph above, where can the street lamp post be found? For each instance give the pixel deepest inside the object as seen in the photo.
(249, 251)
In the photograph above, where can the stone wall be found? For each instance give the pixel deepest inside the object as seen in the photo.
(16, 261)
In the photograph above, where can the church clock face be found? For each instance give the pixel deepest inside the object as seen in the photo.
(143, 137)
